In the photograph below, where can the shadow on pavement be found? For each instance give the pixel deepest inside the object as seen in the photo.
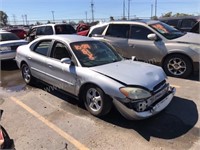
(8, 65)
(173, 122)
(176, 120)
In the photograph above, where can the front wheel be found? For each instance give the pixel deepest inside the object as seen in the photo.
(26, 74)
(96, 101)
(177, 65)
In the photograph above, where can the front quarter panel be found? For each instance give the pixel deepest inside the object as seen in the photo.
(192, 51)
(108, 85)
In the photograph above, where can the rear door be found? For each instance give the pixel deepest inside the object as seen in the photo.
(38, 57)
(117, 35)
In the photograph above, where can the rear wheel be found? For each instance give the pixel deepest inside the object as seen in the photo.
(96, 101)
(177, 65)
(26, 74)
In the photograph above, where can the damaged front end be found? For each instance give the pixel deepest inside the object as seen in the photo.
(144, 108)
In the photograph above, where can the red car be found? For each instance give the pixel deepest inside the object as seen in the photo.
(83, 29)
(19, 32)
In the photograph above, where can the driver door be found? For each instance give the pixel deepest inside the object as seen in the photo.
(62, 75)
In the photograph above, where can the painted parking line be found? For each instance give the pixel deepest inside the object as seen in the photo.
(59, 131)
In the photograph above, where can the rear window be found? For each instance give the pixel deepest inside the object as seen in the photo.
(64, 29)
(98, 30)
(118, 30)
(8, 37)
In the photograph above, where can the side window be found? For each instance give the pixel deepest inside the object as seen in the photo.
(188, 23)
(98, 30)
(42, 47)
(32, 32)
(40, 30)
(60, 51)
(48, 30)
(139, 32)
(118, 30)
(173, 23)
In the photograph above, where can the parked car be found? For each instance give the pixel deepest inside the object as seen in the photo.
(49, 29)
(82, 29)
(185, 23)
(153, 41)
(19, 32)
(89, 70)
(8, 45)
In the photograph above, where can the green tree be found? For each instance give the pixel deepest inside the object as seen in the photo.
(3, 18)
(169, 14)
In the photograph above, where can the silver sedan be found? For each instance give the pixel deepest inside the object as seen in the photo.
(94, 73)
(8, 45)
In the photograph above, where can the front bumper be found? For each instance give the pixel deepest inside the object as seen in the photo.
(131, 114)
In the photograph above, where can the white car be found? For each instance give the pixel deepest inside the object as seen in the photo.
(8, 45)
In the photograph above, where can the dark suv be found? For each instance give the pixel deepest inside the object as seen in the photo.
(183, 23)
(49, 29)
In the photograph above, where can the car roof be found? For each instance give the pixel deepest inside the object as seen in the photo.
(70, 38)
(137, 21)
(50, 24)
(181, 17)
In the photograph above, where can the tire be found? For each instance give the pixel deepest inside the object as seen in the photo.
(26, 74)
(178, 65)
(96, 101)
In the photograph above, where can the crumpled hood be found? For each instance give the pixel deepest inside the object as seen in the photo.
(133, 73)
(190, 38)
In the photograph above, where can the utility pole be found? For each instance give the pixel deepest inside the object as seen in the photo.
(14, 19)
(129, 9)
(151, 11)
(23, 19)
(123, 9)
(53, 15)
(86, 17)
(155, 8)
(92, 9)
(25, 16)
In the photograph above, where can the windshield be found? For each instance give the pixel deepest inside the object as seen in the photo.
(64, 29)
(167, 31)
(8, 37)
(94, 53)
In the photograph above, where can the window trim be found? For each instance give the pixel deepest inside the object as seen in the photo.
(35, 45)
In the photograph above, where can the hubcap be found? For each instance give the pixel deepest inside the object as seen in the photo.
(176, 66)
(94, 99)
(26, 74)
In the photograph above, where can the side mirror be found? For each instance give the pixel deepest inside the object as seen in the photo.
(152, 37)
(66, 60)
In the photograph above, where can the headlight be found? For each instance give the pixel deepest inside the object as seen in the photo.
(135, 93)
(5, 48)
